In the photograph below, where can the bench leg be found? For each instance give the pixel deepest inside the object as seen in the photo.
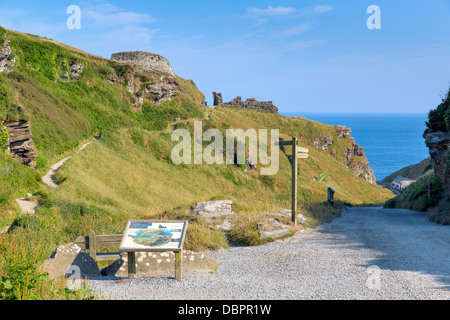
(131, 264)
(179, 266)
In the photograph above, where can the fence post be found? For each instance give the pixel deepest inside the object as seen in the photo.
(330, 199)
(92, 248)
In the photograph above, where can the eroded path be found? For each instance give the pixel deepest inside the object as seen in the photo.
(29, 207)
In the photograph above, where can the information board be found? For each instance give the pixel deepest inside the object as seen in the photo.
(154, 235)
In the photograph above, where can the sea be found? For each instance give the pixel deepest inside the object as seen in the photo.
(391, 141)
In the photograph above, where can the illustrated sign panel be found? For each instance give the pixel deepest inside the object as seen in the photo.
(153, 235)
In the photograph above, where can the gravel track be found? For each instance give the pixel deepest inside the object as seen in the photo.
(368, 253)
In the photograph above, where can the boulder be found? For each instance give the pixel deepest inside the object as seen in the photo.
(214, 208)
(323, 143)
(70, 260)
(271, 228)
(156, 263)
(76, 70)
(274, 233)
(301, 218)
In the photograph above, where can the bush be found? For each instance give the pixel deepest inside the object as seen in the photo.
(439, 118)
(120, 69)
(2, 35)
(3, 139)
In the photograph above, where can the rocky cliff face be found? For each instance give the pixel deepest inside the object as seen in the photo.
(355, 157)
(20, 142)
(7, 59)
(439, 146)
(249, 104)
(149, 62)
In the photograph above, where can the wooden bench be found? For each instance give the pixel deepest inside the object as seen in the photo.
(92, 242)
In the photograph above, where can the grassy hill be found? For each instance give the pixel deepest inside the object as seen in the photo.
(128, 172)
(414, 172)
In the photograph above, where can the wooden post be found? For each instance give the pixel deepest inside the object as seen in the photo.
(294, 180)
(92, 248)
(330, 197)
(179, 265)
(131, 264)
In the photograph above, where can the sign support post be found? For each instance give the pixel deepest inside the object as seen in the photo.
(297, 153)
(294, 180)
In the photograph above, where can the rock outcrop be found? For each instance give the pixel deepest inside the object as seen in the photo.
(323, 143)
(76, 70)
(355, 157)
(271, 228)
(217, 99)
(343, 132)
(214, 208)
(439, 146)
(20, 142)
(249, 104)
(7, 59)
(149, 62)
(164, 90)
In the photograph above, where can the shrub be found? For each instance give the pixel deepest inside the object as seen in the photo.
(3, 139)
(2, 35)
(120, 69)
(439, 118)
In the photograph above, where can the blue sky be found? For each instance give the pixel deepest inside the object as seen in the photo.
(305, 56)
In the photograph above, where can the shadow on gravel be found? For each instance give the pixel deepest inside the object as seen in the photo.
(400, 239)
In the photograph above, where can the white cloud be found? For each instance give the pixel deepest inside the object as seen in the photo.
(105, 14)
(321, 9)
(292, 31)
(272, 11)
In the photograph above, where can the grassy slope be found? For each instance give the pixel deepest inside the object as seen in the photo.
(128, 172)
(414, 172)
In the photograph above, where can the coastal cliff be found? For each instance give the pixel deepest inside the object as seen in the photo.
(431, 191)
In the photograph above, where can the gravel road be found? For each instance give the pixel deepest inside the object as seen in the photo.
(368, 253)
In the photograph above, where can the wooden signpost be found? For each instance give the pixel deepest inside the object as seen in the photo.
(297, 153)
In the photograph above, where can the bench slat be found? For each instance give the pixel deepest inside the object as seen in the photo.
(107, 245)
(108, 238)
(107, 256)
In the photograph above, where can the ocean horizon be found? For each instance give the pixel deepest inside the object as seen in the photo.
(391, 141)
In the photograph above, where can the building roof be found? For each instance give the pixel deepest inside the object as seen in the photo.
(401, 179)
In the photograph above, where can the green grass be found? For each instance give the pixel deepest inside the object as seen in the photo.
(415, 196)
(128, 173)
